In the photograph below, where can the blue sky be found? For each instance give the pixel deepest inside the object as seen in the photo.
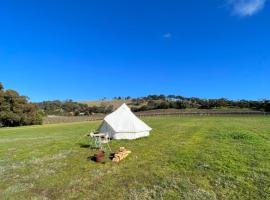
(84, 50)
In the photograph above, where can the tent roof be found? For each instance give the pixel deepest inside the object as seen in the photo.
(123, 120)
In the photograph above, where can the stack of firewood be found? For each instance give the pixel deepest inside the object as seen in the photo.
(121, 154)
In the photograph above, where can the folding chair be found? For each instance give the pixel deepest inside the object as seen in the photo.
(98, 139)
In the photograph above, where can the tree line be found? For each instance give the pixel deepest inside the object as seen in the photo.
(71, 108)
(15, 110)
(152, 102)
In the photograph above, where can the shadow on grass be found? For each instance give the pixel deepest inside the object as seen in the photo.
(91, 158)
(87, 146)
(84, 145)
(111, 156)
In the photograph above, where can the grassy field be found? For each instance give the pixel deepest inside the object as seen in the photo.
(184, 158)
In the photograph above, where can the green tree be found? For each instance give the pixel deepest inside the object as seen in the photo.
(267, 106)
(15, 110)
(1, 87)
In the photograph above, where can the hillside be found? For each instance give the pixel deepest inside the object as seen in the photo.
(153, 103)
(114, 103)
(134, 103)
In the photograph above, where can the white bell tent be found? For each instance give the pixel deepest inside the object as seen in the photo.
(123, 124)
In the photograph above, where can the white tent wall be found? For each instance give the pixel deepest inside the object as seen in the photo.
(106, 128)
(130, 136)
(123, 124)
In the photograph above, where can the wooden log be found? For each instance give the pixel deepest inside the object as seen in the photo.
(121, 154)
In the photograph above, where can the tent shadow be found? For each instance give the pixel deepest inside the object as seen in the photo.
(87, 146)
(84, 145)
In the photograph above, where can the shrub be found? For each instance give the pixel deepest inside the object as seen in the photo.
(15, 110)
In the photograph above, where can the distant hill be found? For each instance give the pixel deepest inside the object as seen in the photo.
(114, 103)
(154, 102)
(148, 103)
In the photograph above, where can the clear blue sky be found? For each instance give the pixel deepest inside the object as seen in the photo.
(84, 50)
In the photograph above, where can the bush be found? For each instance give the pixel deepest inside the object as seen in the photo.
(15, 110)
(267, 106)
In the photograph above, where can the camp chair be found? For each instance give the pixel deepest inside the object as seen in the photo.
(98, 139)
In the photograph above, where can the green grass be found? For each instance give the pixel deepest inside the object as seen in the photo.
(184, 158)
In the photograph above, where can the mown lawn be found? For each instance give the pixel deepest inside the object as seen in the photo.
(184, 158)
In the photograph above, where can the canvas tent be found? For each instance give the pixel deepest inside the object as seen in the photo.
(123, 124)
